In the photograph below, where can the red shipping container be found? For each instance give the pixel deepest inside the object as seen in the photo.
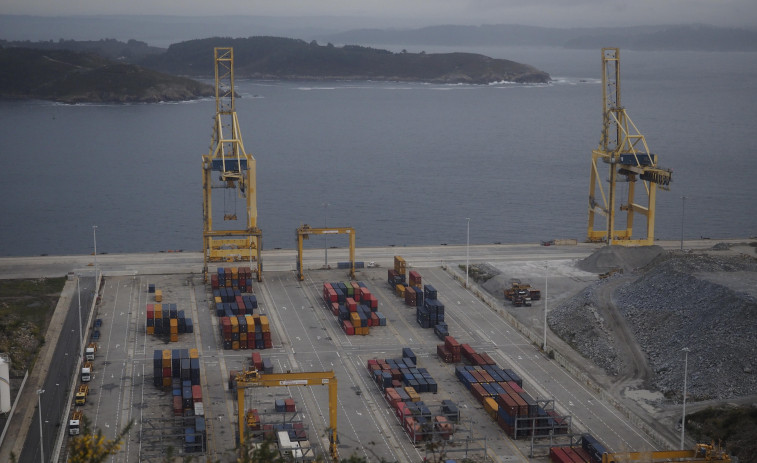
(373, 302)
(349, 330)
(289, 404)
(517, 389)
(557, 455)
(196, 393)
(486, 376)
(335, 308)
(579, 451)
(166, 372)
(522, 405)
(257, 360)
(478, 392)
(268, 344)
(374, 319)
(477, 360)
(487, 360)
(573, 457)
(356, 290)
(467, 351)
(372, 362)
(507, 403)
(177, 408)
(351, 304)
(365, 293)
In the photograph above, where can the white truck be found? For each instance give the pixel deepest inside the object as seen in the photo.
(89, 352)
(74, 424)
(86, 372)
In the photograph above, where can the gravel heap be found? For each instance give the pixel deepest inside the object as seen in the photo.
(624, 257)
(671, 305)
(578, 323)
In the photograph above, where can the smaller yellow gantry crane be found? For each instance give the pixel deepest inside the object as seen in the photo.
(253, 378)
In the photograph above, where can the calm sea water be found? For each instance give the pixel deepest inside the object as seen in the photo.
(403, 164)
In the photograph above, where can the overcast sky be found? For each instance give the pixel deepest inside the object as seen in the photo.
(404, 13)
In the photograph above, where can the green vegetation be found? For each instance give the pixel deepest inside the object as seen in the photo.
(733, 427)
(26, 307)
(282, 58)
(73, 77)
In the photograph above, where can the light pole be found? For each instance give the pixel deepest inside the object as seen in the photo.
(685, 372)
(683, 208)
(81, 334)
(546, 295)
(94, 237)
(39, 410)
(467, 251)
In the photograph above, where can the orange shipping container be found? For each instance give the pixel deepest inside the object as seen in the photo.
(167, 358)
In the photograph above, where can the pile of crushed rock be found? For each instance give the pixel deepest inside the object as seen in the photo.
(705, 302)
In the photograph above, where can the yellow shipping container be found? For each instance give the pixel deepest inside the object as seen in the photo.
(167, 382)
(194, 353)
(491, 407)
(235, 345)
(174, 337)
(158, 295)
(150, 330)
(218, 299)
(243, 336)
(414, 396)
(250, 323)
(355, 319)
(167, 358)
(400, 290)
(234, 324)
(264, 327)
(158, 311)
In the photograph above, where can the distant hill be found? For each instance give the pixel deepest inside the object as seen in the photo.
(674, 37)
(72, 77)
(130, 50)
(283, 58)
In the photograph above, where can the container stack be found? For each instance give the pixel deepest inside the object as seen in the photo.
(415, 279)
(450, 351)
(402, 375)
(245, 332)
(402, 382)
(396, 275)
(354, 305)
(230, 302)
(432, 312)
(179, 371)
(501, 393)
(166, 319)
(232, 277)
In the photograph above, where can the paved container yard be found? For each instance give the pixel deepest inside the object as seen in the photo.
(307, 337)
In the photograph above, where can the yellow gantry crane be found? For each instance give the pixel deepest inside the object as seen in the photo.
(701, 453)
(253, 378)
(303, 233)
(235, 170)
(625, 150)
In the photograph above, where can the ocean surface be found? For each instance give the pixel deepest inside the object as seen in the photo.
(404, 164)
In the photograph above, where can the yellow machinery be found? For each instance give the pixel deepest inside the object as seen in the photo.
(701, 453)
(305, 231)
(253, 378)
(625, 150)
(236, 173)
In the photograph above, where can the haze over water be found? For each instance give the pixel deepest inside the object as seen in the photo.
(403, 164)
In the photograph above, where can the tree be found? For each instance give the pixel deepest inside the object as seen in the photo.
(89, 447)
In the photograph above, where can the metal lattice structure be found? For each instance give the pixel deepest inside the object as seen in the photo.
(624, 149)
(236, 172)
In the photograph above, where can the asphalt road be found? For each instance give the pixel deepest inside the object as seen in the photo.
(58, 380)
